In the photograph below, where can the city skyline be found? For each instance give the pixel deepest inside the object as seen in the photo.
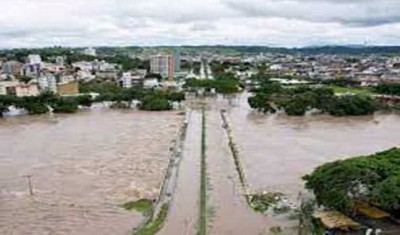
(276, 23)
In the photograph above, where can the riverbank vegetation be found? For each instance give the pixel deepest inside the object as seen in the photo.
(296, 101)
(44, 102)
(150, 99)
(374, 179)
(142, 205)
(388, 89)
(153, 226)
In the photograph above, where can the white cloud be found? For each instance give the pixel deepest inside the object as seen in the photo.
(36, 23)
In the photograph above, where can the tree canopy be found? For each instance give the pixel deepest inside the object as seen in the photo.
(374, 178)
(296, 101)
(224, 83)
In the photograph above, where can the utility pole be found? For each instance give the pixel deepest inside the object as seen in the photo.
(28, 177)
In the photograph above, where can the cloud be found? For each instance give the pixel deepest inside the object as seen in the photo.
(353, 13)
(37, 23)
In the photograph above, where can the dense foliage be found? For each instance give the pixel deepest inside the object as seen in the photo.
(153, 100)
(341, 82)
(220, 86)
(152, 103)
(296, 101)
(225, 83)
(375, 179)
(388, 89)
(44, 102)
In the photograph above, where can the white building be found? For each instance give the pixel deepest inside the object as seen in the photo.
(85, 75)
(33, 66)
(83, 65)
(34, 59)
(89, 51)
(47, 82)
(150, 83)
(128, 80)
(60, 60)
(94, 66)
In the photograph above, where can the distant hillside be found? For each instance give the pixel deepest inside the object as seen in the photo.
(305, 50)
(219, 49)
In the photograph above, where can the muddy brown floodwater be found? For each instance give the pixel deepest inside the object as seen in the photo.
(82, 167)
(278, 150)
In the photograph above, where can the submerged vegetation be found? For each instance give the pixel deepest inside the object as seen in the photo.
(153, 226)
(141, 205)
(296, 101)
(151, 100)
(44, 102)
(262, 202)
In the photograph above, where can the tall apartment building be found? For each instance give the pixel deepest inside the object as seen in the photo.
(177, 61)
(163, 65)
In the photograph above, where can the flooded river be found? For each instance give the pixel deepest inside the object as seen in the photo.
(82, 166)
(277, 150)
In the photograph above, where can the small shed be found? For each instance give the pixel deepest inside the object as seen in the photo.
(336, 220)
(370, 211)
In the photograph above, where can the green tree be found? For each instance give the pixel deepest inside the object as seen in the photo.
(374, 178)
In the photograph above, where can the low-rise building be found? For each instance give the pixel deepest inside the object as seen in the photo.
(68, 88)
(128, 80)
(5, 86)
(22, 90)
(150, 83)
(12, 67)
(47, 82)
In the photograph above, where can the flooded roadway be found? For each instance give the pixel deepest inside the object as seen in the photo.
(184, 210)
(230, 212)
(82, 166)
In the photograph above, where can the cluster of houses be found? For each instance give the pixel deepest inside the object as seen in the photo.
(368, 70)
(35, 76)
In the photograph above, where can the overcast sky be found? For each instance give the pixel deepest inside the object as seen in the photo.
(38, 23)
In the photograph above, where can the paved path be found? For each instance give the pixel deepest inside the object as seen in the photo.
(183, 215)
(231, 213)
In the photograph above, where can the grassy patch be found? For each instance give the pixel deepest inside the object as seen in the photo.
(142, 205)
(275, 230)
(355, 90)
(153, 226)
